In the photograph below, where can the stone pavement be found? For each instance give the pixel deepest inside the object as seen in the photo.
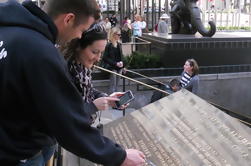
(112, 114)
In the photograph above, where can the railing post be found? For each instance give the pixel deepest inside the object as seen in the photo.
(150, 48)
(123, 91)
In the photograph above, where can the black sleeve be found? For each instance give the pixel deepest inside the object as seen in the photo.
(120, 52)
(61, 108)
(91, 109)
(108, 57)
(98, 94)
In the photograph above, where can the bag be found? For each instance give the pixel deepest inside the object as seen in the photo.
(156, 28)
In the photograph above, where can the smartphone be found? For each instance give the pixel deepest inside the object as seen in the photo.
(124, 99)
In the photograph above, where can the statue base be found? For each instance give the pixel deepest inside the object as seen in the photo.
(224, 48)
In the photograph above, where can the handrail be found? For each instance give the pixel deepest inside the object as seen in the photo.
(133, 43)
(216, 105)
(131, 79)
(137, 43)
(127, 70)
(160, 90)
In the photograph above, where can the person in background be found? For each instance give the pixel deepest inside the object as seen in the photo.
(112, 58)
(113, 20)
(107, 25)
(189, 80)
(81, 55)
(163, 25)
(189, 77)
(171, 87)
(126, 30)
(34, 76)
(137, 26)
(144, 26)
(124, 20)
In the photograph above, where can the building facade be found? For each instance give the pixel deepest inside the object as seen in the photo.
(227, 5)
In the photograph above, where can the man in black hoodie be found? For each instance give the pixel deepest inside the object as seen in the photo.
(38, 101)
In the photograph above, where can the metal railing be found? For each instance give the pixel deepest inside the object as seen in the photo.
(227, 19)
(138, 41)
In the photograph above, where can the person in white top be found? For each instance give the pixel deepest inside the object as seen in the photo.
(107, 25)
(163, 24)
(144, 26)
(143, 23)
(138, 25)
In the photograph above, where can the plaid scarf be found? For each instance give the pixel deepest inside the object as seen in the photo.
(81, 77)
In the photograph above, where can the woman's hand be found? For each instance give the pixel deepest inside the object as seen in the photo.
(120, 64)
(117, 95)
(134, 158)
(103, 103)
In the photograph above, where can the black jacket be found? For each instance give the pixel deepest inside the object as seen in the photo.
(37, 98)
(111, 56)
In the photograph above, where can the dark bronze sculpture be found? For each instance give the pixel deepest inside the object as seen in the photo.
(185, 19)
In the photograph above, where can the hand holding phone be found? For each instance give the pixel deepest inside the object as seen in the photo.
(103, 103)
(124, 99)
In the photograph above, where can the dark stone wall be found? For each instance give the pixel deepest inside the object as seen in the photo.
(222, 50)
(230, 90)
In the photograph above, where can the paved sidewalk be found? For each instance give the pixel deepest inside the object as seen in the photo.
(112, 114)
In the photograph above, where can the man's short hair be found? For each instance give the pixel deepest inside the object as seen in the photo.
(81, 8)
(174, 82)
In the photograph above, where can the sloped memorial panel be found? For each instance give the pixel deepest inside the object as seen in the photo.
(183, 130)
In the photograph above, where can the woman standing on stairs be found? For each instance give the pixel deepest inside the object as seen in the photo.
(112, 58)
(189, 77)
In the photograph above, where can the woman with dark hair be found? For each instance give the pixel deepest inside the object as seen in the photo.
(126, 30)
(81, 55)
(189, 77)
(189, 80)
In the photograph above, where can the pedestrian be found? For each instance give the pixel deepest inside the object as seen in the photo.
(107, 25)
(81, 55)
(163, 24)
(137, 26)
(171, 87)
(113, 20)
(112, 58)
(144, 26)
(126, 30)
(38, 101)
(189, 77)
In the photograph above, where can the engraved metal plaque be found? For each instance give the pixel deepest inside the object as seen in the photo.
(184, 130)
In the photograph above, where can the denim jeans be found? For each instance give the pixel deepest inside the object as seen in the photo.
(41, 158)
(114, 81)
